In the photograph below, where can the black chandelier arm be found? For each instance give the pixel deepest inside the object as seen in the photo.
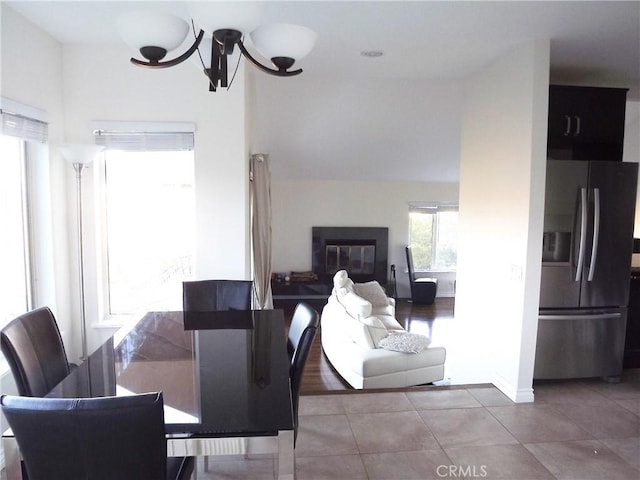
(175, 61)
(272, 71)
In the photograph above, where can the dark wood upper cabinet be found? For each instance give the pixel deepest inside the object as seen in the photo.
(586, 123)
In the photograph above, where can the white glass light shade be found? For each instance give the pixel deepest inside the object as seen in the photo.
(212, 16)
(152, 29)
(283, 40)
(79, 153)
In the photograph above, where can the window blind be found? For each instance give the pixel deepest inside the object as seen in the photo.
(24, 127)
(144, 136)
(432, 207)
(144, 141)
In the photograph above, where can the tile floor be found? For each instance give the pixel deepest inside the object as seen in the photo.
(574, 430)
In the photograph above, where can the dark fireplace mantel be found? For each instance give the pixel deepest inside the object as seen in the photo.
(362, 251)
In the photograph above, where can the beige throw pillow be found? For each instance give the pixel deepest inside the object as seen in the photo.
(373, 292)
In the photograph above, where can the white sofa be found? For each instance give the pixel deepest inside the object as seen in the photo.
(353, 330)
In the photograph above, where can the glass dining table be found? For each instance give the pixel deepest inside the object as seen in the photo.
(224, 378)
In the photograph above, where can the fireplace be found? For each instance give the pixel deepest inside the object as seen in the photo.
(361, 251)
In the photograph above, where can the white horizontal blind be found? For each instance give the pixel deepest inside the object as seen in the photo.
(145, 141)
(144, 136)
(432, 207)
(23, 121)
(23, 127)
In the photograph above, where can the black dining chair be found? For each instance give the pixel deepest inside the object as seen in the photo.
(304, 324)
(215, 295)
(98, 438)
(33, 348)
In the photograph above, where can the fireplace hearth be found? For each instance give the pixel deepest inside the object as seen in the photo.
(361, 251)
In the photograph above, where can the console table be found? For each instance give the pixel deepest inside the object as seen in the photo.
(286, 295)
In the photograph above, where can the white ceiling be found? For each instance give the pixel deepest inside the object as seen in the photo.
(591, 42)
(420, 39)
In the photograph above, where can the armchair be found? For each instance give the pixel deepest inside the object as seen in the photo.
(423, 290)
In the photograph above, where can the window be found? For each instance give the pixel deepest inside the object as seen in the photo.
(433, 236)
(15, 281)
(149, 220)
(21, 127)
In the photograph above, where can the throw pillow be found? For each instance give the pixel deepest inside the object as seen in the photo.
(373, 292)
(404, 342)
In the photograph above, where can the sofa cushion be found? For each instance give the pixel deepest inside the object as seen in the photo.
(389, 322)
(355, 305)
(358, 332)
(373, 292)
(404, 342)
(378, 361)
(376, 328)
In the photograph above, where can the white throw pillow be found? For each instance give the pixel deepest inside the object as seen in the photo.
(404, 342)
(373, 292)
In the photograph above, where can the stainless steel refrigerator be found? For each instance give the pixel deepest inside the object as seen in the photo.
(586, 264)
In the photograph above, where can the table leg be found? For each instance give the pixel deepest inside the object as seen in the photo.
(13, 469)
(286, 460)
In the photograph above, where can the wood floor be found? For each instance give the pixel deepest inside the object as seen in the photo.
(320, 377)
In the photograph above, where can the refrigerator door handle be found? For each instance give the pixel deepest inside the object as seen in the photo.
(583, 232)
(596, 233)
(585, 316)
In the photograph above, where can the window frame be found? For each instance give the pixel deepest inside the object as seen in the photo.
(99, 296)
(29, 125)
(26, 226)
(432, 208)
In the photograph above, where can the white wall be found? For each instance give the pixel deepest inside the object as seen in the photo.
(501, 214)
(373, 129)
(301, 204)
(80, 84)
(101, 84)
(31, 74)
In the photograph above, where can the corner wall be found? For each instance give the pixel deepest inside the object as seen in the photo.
(21, 80)
(501, 215)
(31, 74)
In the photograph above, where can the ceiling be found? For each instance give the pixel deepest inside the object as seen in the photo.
(590, 39)
(592, 42)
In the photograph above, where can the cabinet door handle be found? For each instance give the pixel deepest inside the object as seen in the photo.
(577, 126)
(568, 127)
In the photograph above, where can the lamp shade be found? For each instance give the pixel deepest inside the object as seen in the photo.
(78, 152)
(212, 16)
(283, 40)
(152, 29)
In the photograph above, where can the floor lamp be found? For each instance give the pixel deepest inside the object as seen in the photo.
(80, 156)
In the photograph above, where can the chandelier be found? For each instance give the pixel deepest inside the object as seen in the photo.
(154, 34)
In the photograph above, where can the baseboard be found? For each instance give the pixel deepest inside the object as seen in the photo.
(518, 395)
